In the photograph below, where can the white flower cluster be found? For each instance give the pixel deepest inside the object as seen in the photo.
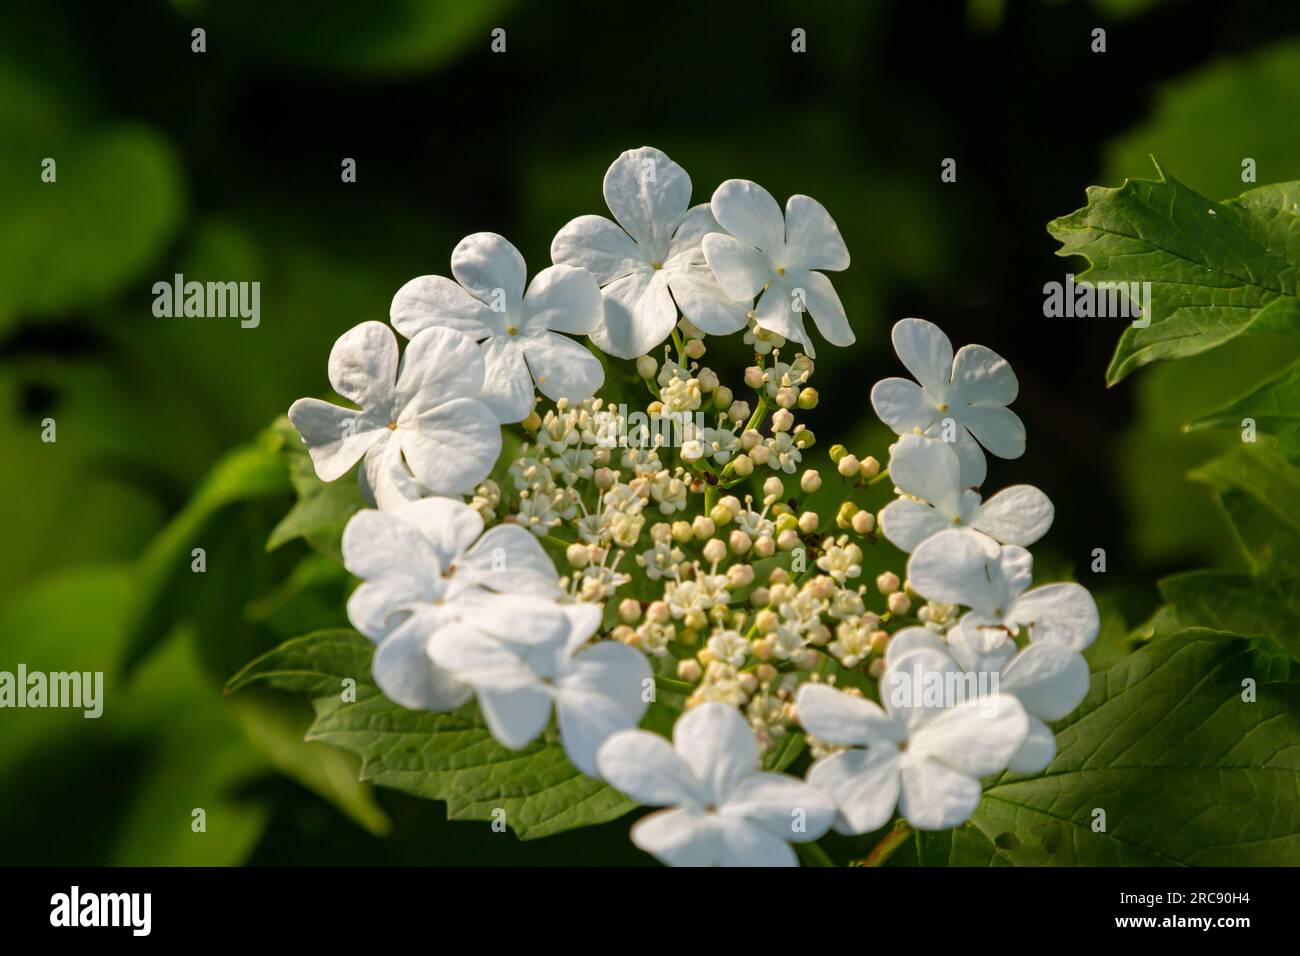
(613, 554)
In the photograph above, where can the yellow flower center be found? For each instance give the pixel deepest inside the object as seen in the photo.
(512, 330)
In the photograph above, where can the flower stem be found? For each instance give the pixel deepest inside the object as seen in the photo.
(883, 476)
(892, 840)
(813, 855)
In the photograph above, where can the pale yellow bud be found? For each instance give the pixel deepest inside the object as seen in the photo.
(848, 466)
(810, 480)
(870, 467)
(808, 522)
(864, 522)
(577, 555)
(703, 527)
(646, 366)
(899, 603)
(887, 582)
(739, 542)
(787, 540)
(629, 610)
(689, 670)
(682, 532)
(765, 547)
(715, 550)
(743, 465)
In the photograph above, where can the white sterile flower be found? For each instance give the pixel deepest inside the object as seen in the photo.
(725, 811)
(927, 761)
(426, 566)
(651, 260)
(1050, 680)
(421, 426)
(955, 568)
(776, 256)
(961, 399)
(928, 470)
(595, 691)
(517, 330)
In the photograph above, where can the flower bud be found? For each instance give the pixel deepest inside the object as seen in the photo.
(848, 465)
(765, 673)
(750, 438)
(879, 642)
(765, 621)
(786, 396)
(787, 540)
(773, 487)
(778, 576)
(577, 555)
(743, 465)
(899, 603)
(808, 398)
(807, 659)
(782, 420)
(760, 454)
(646, 366)
(819, 634)
(723, 397)
(532, 423)
(804, 437)
(732, 504)
(695, 348)
(708, 379)
(605, 478)
(655, 408)
(682, 532)
(864, 522)
(845, 515)
(877, 668)
(870, 467)
(629, 610)
(887, 582)
(658, 612)
(765, 547)
(754, 377)
(748, 682)
(738, 412)
(837, 452)
(739, 575)
(703, 527)
(715, 550)
(810, 480)
(739, 542)
(808, 522)
(689, 670)
(760, 597)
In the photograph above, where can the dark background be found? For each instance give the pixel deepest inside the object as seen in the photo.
(226, 165)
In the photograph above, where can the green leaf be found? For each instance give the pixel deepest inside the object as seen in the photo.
(1274, 407)
(1260, 491)
(322, 509)
(1217, 270)
(449, 757)
(1187, 772)
(1244, 604)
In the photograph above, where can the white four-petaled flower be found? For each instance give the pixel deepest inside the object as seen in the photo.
(927, 469)
(421, 427)
(650, 258)
(518, 330)
(961, 399)
(926, 760)
(428, 565)
(595, 691)
(777, 258)
(724, 810)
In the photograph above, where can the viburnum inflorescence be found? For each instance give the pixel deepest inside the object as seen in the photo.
(608, 556)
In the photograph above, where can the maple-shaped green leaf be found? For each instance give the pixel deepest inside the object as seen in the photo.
(1187, 752)
(449, 757)
(1217, 270)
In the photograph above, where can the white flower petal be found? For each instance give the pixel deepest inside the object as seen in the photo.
(916, 687)
(507, 383)
(840, 718)
(952, 567)
(1049, 679)
(976, 738)
(864, 785)
(1038, 750)
(509, 559)
(740, 269)
(440, 364)
(784, 806)
(928, 469)
(902, 405)
(718, 745)
(974, 467)
(983, 377)
(685, 836)
(485, 263)
(481, 661)
(403, 671)
(452, 447)
(980, 650)
(381, 544)
(997, 428)
(599, 246)
(1061, 613)
(639, 314)
(584, 620)
(912, 639)
(907, 523)
(936, 797)
(586, 720)
(385, 479)
(927, 353)
(449, 525)
(823, 302)
(775, 311)
(645, 767)
(562, 367)
(748, 211)
(812, 239)
(703, 302)
(363, 364)
(648, 194)
(685, 247)
(563, 299)
(515, 717)
(1019, 515)
(336, 437)
(428, 301)
(749, 845)
(377, 608)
